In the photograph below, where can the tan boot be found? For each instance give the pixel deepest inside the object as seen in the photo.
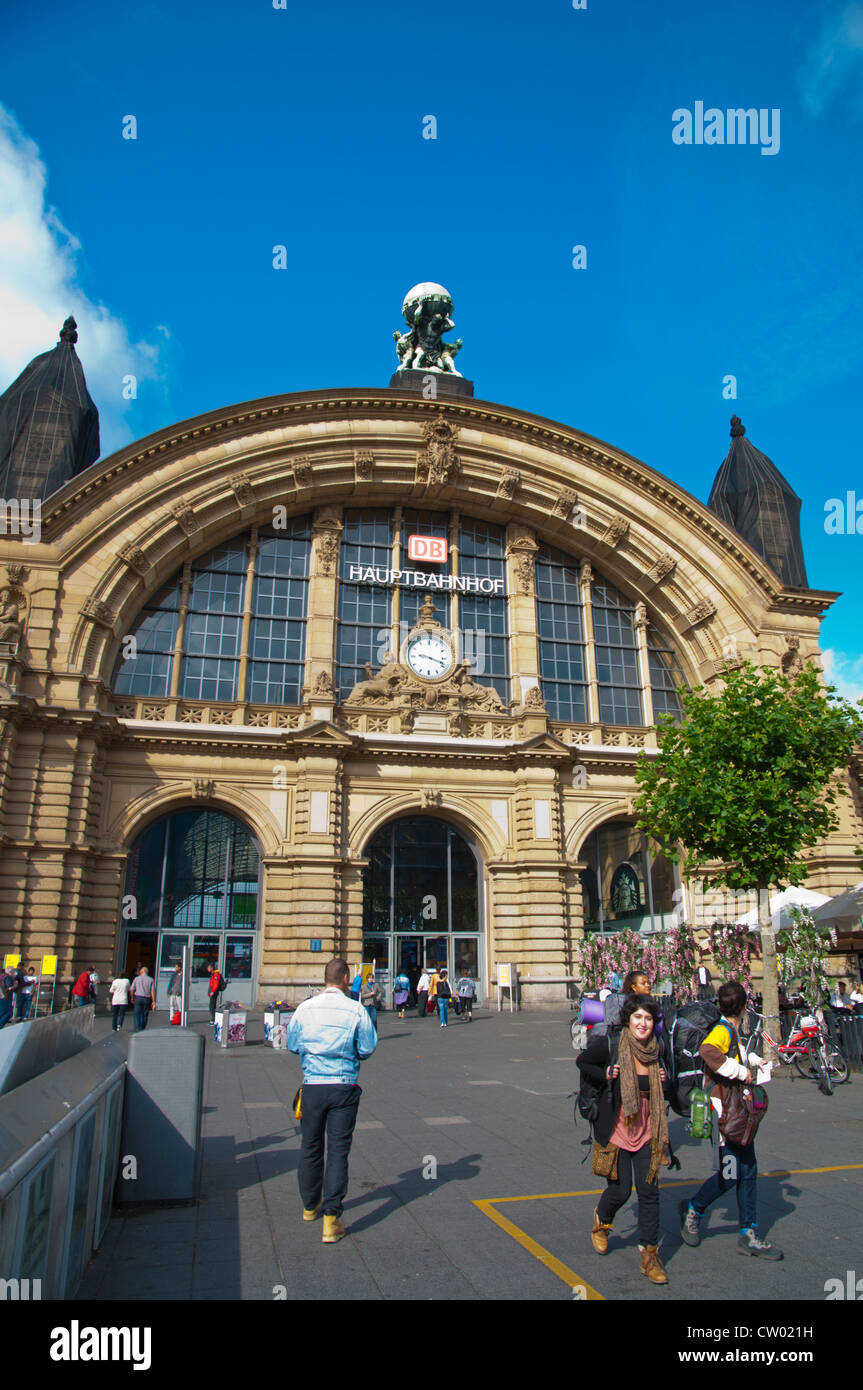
(599, 1234)
(651, 1265)
(310, 1213)
(333, 1230)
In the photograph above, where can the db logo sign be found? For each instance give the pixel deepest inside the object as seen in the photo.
(429, 548)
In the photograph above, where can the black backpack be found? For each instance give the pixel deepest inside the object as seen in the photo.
(588, 1094)
(691, 1026)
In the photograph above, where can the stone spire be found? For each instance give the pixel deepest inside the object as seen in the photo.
(49, 425)
(751, 496)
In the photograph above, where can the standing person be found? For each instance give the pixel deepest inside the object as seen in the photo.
(214, 989)
(6, 997)
(95, 982)
(333, 1034)
(401, 994)
(722, 1055)
(143, 998)
(27, 980)
(434, 978)
(81, 988)
(119, 996)
(423, 993)
(631, 1129)
(466, 991)
(371, 998)
(856, 999)
(839, 999)
(357, 985)
(175, 991)
(443, 995)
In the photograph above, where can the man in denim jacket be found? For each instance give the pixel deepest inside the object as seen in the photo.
(332, 1033)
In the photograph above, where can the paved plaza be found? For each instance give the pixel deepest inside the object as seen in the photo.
(485, 1108)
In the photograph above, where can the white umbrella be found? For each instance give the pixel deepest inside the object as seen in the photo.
(780, 902)
(845, 910)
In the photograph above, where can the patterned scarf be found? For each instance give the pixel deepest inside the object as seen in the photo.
(648, 1054)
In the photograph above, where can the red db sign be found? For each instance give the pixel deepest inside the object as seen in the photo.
(432, 549)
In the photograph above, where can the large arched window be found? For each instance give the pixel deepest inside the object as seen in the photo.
(230, 626)
(627, 880)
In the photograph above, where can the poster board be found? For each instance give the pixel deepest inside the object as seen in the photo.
(506, 980)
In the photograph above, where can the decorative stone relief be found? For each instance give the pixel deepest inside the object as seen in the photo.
(134, 557)
(17, 574)
(525, 574)
(586, 573)
(242, 490)
(303, 471)
(509, 484)
(521, 549)
(431, 797)
(791, 661)
(185, 518)
(13, 607)
(615, 532)
(438, 464)
(662, 568)
(364, 465)
(700, 613)
(641, 619)
(565, 503)
(323, 683)
(203, 788)
(326, 533)
(99, 612)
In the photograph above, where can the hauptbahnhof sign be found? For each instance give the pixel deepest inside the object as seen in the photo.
(416, 579)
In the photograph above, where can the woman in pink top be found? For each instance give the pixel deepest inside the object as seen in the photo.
(631, 1129)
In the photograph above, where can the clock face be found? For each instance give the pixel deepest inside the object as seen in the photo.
(429, 656)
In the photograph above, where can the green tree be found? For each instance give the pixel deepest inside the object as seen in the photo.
(748, 782)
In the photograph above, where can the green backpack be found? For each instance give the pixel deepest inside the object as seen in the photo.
(700, 1114)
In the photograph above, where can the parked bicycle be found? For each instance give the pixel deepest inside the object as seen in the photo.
(807, 1047)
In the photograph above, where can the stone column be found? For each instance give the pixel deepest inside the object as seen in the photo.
(641, 621)
(521, 551)
(585, 579)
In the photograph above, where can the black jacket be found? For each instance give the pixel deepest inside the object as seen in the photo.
(593, 1063)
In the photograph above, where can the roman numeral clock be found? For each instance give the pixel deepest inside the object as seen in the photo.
(428, 651)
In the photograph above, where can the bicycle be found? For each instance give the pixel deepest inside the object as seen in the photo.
(807, 1047)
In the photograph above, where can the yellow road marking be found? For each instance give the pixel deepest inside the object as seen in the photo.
(569, 1277)
(487, 1206)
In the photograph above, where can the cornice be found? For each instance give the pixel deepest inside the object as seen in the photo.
(571, 444)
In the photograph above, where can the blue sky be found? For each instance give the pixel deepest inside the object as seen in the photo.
(303, 126)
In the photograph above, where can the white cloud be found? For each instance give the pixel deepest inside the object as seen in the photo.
(845, 672)
(39, 289)
(835, 60)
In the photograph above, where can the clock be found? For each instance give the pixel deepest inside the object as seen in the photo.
(429, 655)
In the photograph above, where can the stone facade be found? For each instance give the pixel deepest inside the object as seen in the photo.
(84, 771)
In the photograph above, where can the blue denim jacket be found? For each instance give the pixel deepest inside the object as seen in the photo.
(332, 1033)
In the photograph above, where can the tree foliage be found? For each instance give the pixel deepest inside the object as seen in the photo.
(747, 781)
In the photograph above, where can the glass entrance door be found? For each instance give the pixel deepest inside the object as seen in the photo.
(239, 960)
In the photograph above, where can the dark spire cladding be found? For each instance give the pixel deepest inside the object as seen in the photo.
(49, 426)
(751, 496)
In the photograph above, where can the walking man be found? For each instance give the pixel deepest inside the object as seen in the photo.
(143, 998)
(423, 993)
(333, 1034)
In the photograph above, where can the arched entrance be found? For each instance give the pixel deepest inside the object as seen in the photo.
(193, 879)
(423, 902)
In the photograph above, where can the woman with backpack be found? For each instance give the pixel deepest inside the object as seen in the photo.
(631, 1129)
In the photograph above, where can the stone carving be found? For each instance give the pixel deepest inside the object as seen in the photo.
(533, 699)
(242, 490)
(791, 661)
(328, 551)
(99, 612)
(641, 619)
(406, 721)
(386, 683)
(586, 573)
(565, 503)
(364, 463)
(662, 568)
(323, 683)
(396, 686)
(438, 463)
(524, 573)
(701, 612)
(135, 558)
(303, 471)
(615, 532)
(203, 788)
(11, 623)
(426, 309)
(17, 573)
(185, 518)
(432, 797)
(509, 484)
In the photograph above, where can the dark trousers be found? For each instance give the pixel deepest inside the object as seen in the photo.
(422, 1003)
(23, 1008)
(635, 1165)
(738, 1165)
(213, 1002)
(329, 1112)
(142, 1013)
(118, 1013)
